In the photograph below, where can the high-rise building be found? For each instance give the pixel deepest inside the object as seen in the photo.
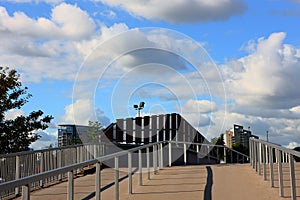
(70, 134)
(238, 136)
(229, 138)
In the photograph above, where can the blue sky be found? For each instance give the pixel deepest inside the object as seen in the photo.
(216, 62)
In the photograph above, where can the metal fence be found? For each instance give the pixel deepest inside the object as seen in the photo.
(263, 153)
(18, 165)
(159, 153)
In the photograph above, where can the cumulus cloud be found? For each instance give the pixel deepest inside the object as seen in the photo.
(82, 111)
(14, 113)
(35, 1)
(292, 145)
(77, 24)
(267, 76)
(182, 11)
(47, 138)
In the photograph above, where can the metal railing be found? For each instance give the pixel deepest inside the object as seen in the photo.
(18, 165)
(156, 149)
(263, 153)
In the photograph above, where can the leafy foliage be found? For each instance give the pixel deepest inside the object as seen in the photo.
(94, 132)
(17, 134)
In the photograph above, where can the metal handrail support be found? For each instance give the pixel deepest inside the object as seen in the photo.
(266, 150)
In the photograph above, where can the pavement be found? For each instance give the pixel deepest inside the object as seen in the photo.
(217, 182)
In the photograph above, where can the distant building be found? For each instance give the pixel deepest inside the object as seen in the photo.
(229, 138)
(238, 136)
(70, 134)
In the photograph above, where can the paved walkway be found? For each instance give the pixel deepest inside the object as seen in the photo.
(217, 182)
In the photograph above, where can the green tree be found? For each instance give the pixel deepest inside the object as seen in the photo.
(94, 132)
(17, 134)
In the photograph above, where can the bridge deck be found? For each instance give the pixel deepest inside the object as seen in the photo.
(182, 182)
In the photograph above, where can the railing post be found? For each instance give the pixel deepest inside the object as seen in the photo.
(208, 153)
(70, 185)
(140, 168)
(148, 163)
(259, 158)
(292, 176)
(255, 155)
(264, 154)
(116, 178)
(225, 159)
(154, 159)
(197, 149)
(161, 156)
(184, 154)
(25, 192)
(41, 167)
(98, 181)
(18, 173)
(271, 166)
(170, 154)
(130, 172)
(280, 177)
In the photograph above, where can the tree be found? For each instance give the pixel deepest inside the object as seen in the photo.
(94, 132)
(17, 134)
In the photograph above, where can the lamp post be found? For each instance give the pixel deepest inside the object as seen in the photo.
(139, 107)
(267, 136)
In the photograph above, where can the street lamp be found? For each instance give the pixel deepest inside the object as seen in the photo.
(267, 136)
(139, 107)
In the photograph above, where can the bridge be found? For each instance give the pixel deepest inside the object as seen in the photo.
(166, 169)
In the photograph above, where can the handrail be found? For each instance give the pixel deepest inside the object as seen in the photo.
(43, 175)
(157, 164)
(279, 147)
(262, 153)
(221, 146)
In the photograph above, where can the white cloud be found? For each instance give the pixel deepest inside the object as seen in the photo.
(268, 75)
(292, 145)
(76, 24)
(182, 11)
(14, 113)
(82, 111)
(35, 1)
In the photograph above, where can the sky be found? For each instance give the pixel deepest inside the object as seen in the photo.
(217, 63)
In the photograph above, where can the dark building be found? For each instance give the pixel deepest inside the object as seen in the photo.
(242, 136)
(70, 134)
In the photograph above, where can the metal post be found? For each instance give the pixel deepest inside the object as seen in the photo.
(225, 159)
(271, 166)
(25, 192)
(170, 154)
(18, 173)
(70, 185)
(161, 156)
(208, 154)
(264, 153)
(197, 149)
(98, 181)
(280, 176)
(154, 159)
(148, 163)
(292, 177)
(184, 154)
(140, 168)
(130, 172)
(259, 158)
(116, 178)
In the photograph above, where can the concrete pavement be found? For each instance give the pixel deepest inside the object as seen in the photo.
(217, 182)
